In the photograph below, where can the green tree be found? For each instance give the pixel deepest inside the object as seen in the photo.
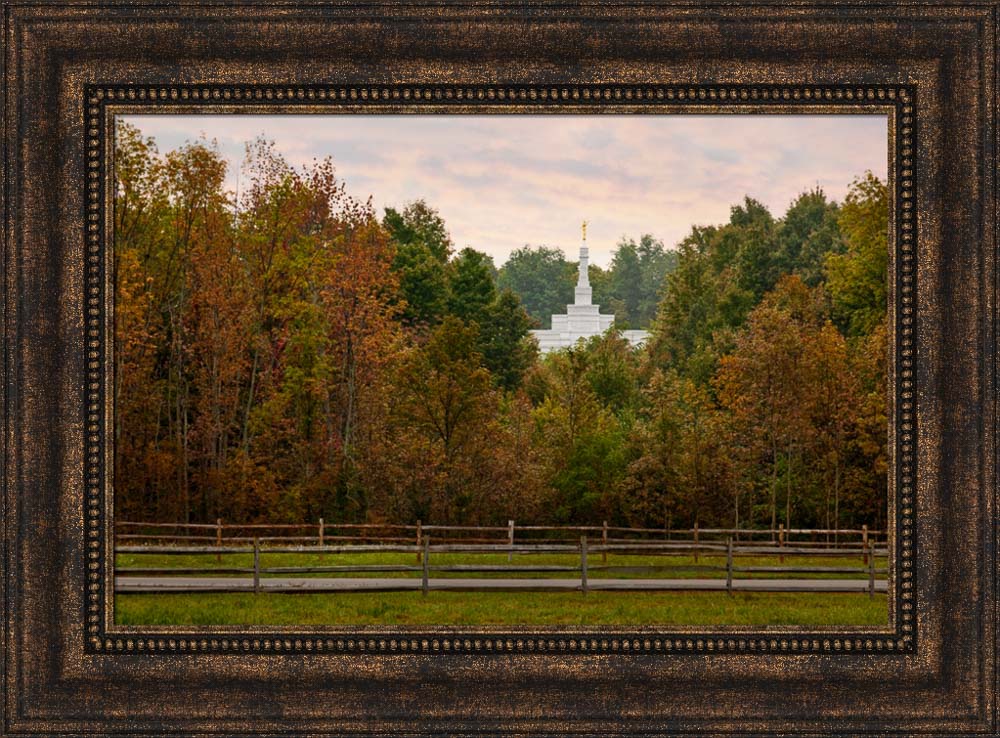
(857, 279)
(657, 262)
(507, 347)
(419, 223)
(626, 283)
(542, 279)
(423, 284)
(701, 306)
(581, 440)
(612, 372)
(445, 390)
(471, 286)
(602, 292)
(423, 248)
(454, 453)
(807, 234)
(751, 234)
(635, 280)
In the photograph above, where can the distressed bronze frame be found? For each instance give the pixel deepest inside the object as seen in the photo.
(69, 68)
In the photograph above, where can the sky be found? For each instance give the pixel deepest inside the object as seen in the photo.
(503, 181)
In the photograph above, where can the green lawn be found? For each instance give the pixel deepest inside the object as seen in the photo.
(667, 566)
(503, 608)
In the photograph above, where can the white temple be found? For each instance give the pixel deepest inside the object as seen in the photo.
(582, 319)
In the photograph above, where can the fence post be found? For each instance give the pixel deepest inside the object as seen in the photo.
(420, 532)
(729, 566)
(696, 541)
(864, 543)
(321, 531)
(583, 563)
(871, 574)
(256, 566)
(781, 541)
(426, 583)
(218, 538)
(510, 540)
(604, 542)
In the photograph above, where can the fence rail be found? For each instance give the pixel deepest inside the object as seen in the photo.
(455, 533)
(861, 544)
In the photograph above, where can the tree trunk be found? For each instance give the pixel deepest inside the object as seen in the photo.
(788, 490)
(774, 487)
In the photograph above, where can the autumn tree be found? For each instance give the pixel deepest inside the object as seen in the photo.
(456, 450)
(680, 470)
(765, 385)
(251, 332)
(194, 175)
(283, 354)
(835, 395)
(143, 462)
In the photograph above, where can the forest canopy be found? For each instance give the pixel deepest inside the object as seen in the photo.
(289, 353)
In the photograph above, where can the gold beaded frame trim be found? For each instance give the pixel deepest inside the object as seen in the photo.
(103, 102)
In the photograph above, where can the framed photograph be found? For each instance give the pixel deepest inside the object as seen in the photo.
(471, 368)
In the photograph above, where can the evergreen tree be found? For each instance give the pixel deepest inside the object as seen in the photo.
(423, 248)
(507, 348)
(471, 286)
(423, 284)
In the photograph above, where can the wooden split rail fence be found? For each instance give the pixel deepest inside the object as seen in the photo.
(320, 533)
(466, 540)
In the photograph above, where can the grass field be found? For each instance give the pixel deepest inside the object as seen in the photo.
(503, 608)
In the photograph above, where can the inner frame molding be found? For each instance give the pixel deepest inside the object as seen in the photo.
(103, 102)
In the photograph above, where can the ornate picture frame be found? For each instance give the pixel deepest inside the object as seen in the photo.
(69, 69)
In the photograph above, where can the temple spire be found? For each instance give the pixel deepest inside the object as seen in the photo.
(583, 293)
(583, 319)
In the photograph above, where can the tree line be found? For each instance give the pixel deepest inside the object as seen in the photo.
(288, 353)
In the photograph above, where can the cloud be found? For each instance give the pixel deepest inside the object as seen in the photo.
(501, 181)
